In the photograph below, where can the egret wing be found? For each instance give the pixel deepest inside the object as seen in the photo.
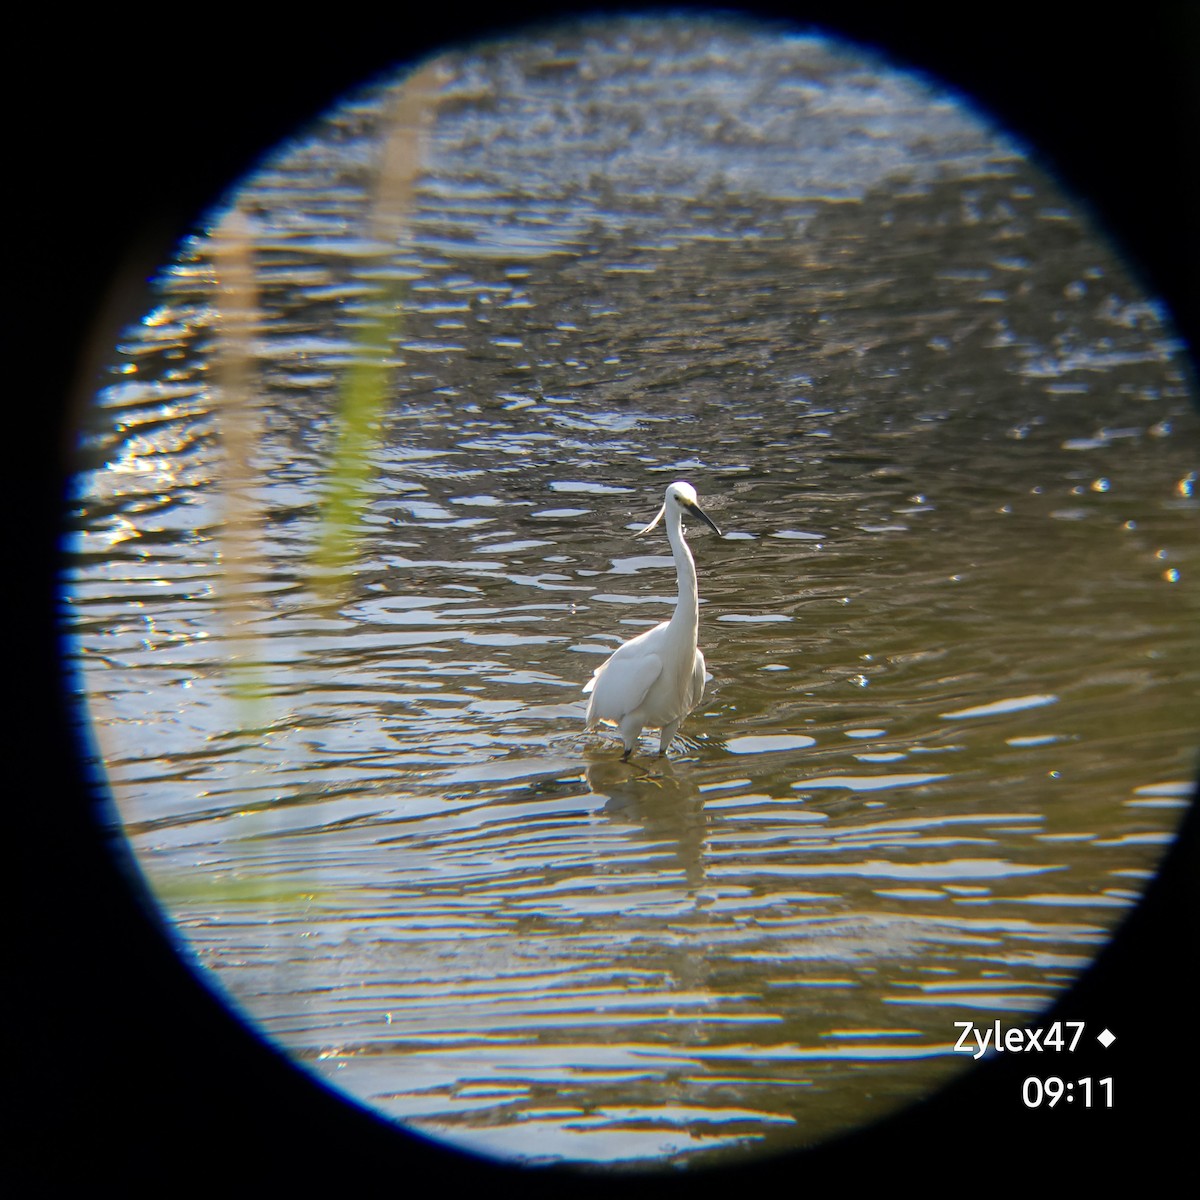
(619, 687)
(698, 674)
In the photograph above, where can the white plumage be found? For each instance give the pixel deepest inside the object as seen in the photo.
(657, 678)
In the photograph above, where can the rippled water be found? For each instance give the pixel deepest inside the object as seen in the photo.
(950, 725)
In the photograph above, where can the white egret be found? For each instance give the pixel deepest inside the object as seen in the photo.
(657, 678)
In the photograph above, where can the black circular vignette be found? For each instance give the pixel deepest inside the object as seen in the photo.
(123, 139)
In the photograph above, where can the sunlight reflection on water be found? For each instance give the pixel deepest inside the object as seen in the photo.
(951, 722)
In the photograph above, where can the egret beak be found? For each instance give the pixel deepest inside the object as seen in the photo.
(652, 524)
(695, 508)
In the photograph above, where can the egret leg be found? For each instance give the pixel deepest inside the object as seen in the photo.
(668, 736)
(630, 729)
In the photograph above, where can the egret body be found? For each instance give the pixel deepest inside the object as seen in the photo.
(657, 678)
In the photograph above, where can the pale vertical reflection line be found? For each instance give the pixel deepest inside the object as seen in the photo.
(364, 386)
(243, 567)
(239, 420)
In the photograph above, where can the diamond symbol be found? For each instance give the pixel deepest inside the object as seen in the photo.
(1106, 1039)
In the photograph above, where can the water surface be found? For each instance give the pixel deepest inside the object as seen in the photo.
(950, 726)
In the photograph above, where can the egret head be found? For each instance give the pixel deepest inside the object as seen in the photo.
(681, 499)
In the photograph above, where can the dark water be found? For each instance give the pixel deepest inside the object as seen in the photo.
(950, 728)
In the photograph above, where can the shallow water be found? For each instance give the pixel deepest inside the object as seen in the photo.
(950, 725)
